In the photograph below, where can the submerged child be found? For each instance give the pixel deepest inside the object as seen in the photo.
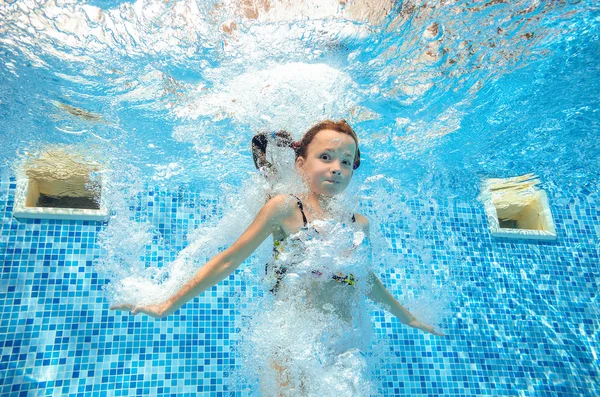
(312, 336)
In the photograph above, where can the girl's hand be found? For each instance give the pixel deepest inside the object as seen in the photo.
(156, 311)
(424, 327)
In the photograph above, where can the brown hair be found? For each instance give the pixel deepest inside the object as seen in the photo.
(341, 126)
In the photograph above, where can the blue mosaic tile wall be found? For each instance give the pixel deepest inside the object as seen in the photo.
(525, 323)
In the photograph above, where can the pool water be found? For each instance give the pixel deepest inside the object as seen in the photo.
(442, 94)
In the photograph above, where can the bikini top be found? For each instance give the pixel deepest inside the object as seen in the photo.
(279, 271)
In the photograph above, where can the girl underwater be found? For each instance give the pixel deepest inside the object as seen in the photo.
(318, 273)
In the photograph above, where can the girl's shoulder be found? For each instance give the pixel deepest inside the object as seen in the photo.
(363, 221)
(284, 215)
(282, 200)
(284, 205)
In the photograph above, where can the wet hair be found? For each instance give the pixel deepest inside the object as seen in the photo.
(283, 138)
(341, 126)
(280, 138)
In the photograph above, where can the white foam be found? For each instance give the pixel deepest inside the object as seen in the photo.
(290, 95)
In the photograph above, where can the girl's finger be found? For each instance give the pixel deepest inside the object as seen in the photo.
(121, 307)
(438, 333)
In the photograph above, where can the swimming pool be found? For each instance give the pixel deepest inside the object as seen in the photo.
(168, 95)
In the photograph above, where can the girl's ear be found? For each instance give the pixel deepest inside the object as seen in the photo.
(300, 163)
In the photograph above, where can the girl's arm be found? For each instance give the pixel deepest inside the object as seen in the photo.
(223, 264)
(379, 294)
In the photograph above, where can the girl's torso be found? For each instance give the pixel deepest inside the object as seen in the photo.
(317, 265)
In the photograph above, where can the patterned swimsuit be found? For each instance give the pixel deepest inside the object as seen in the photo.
(279, 271)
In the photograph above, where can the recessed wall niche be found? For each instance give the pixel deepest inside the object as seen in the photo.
(516, 208)
(61, 183)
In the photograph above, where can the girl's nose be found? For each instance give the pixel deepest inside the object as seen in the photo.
(336, 167)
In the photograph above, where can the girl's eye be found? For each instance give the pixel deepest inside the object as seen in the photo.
(346, 162)
(325, 156)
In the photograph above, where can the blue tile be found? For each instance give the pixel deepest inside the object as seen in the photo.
(524, 315)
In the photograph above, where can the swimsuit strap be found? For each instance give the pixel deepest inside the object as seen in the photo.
(301, 209)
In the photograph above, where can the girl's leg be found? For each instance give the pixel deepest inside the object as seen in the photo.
(282, 374)
(276, 380)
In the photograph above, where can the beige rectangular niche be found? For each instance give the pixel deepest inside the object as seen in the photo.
(516, 208)
(60, 184)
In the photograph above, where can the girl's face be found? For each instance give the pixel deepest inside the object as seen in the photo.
(327, 168)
